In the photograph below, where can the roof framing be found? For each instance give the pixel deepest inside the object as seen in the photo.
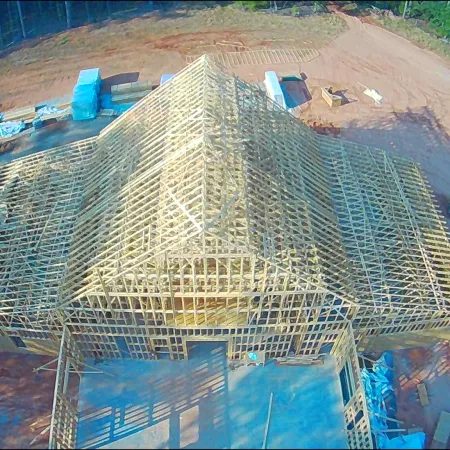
(208, 205)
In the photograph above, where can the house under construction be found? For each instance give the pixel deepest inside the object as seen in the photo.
(208, 212)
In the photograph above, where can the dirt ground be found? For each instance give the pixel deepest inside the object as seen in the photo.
(430, 366)
(25, 397)
(413, 120)
(148, 46)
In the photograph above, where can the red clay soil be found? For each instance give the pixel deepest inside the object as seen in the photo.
(25, 397)
(430, 366)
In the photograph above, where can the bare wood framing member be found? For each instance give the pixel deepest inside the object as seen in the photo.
(63, 426)
(267, 56)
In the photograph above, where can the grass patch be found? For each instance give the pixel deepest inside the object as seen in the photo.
(416, 35)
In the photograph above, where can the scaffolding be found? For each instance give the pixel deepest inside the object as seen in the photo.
(207, 211)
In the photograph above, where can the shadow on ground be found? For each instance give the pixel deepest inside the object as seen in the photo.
(202, 403)
(120, 78)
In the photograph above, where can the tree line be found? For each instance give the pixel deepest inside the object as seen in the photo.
(26, 19)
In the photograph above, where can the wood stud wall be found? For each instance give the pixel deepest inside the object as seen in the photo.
(63, 429)
(355, 410)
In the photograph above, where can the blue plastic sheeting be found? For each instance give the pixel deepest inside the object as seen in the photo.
(84, 102)
(380, 397)
(90, 77)
(409, 441)
(166, 77)
(8, 129)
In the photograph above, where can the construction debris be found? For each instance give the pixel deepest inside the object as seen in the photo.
(442, 433)
(373, 94)
(9, 129)
(377, 387)
(330, 98)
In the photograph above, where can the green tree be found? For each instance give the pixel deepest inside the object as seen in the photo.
(253, 5)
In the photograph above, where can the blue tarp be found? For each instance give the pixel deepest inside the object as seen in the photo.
(84, 102)
(8, 129)
(409, 441)
(90, 77)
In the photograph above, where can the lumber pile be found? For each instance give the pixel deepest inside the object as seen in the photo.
(25, 114)
(130, 92)
(126, 88)
(423, 394)
(301, 360)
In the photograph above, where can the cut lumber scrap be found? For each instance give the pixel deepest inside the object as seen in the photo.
(442, 432)
(269, 414)
(423, 394)
(129, 98)
(127, 88)
(108, 113)
(41, 422)
(45, 430)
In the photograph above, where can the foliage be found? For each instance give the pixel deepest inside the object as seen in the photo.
(416, 35)
(294, 11)
(436, 13)
(318, 6)
(252, 5)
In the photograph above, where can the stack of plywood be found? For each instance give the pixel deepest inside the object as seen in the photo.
(25, 114)
(130, 92)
